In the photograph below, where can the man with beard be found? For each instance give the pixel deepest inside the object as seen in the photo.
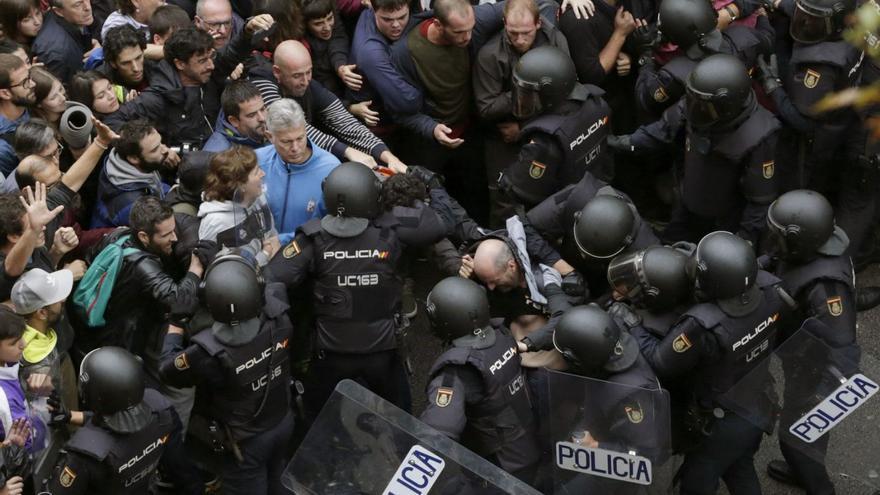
(131, 171)
(16, 93)
(243, 121)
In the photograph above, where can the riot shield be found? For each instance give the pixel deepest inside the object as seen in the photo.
(608, 437)
(363, 444)
(822, 401)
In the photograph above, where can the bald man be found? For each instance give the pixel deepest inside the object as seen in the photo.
(216, 18)
(342, 134)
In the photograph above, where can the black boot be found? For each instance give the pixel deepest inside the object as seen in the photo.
(779, 471)
(867, 298)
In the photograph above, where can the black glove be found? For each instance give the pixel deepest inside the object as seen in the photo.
(625, 314)
(645, 38)
(557, 301)
(205, 251)
(539, 340)
(620, 144)
(431, 179)
(573, 284)
(60, 416)
(769, 69)
(182, 310)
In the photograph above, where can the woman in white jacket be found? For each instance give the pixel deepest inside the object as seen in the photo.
(234, 212)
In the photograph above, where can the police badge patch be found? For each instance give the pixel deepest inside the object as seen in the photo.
(681, 343)
(768, 168)
(811, 78)
(634, 414)
(67, 477)
(180, 362)
(444, 396)
(660, 95)
(835, 306)
(536, 170)
(291, 249)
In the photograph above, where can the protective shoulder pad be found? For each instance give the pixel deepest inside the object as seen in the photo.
(92, 441)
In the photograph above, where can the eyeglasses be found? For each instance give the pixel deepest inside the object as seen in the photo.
(24, 82)
(218, 25)
(57, 152)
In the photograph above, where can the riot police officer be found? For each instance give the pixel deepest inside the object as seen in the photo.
(823, 149)
(692, 25)
(241, 366)
(595, 223)
(721, 339)
(565, 135)
(352, 255)
(131, 433)
(816, 271)
(476, 390)
(729, 162)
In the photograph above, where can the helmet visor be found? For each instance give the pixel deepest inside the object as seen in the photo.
(625, 275)
(526, 98)
(701, 111)
(810, 26)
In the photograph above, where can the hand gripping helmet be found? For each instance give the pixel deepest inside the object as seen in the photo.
(685, 22)
(653, 278)
(604, 227)
(542, 79)
(719, 93)
(351, 194)
(111, 384)
(819, 20)
(457, 307)
(590, 339)
(802, 223)
(232, 290)
(723, 266)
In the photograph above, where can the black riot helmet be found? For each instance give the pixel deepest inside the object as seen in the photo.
(351, 195)
(542, 79)
(232, 290)
(654, 278)
(802, 223)
(604, 227)
(590, 339)
(815, 21)
(111, 384)
(719, 93)
(686, 22)
(723, 266)
(457, 307)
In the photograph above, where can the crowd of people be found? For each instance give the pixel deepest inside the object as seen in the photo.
(212, 212)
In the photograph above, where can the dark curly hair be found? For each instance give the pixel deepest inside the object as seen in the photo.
(11, 211)
(402, 190)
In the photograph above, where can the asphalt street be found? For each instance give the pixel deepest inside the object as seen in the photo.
(854, 458)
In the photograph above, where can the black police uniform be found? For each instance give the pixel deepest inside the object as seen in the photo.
(823, 149)
(357, 290)
(245, 387)
(100, 461)
(559, 147)
(477, 396)
(730, 176)
(658, 88)
(824, 290)
(554, 219)
(723, 349)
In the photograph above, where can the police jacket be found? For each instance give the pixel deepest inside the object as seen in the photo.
(657, 88)
(824, 288)
(559, 147)
(356, 279)
(477, 395)
(554, 219)
(245, 385)
(720, 347)
(100, 461)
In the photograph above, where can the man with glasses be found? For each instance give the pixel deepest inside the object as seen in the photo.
(16, 93)
(65, 38)
(216, 18)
